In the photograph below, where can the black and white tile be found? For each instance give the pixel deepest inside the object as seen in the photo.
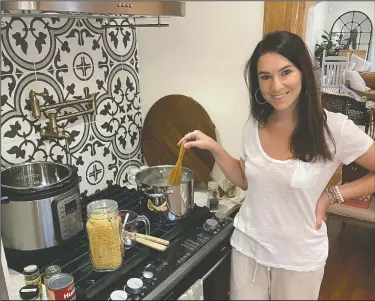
(68, 59)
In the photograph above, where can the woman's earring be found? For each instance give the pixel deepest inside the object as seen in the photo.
(256, 98)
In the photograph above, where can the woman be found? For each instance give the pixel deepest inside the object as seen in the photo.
(291, 148)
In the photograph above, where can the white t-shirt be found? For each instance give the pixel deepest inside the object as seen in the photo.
(276, 223)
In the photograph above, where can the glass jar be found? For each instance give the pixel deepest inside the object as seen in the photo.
(32, 277)
(132, 184)
(213, 196)
(30, 292)
(103, 230)
(229, 189)
(50, 271)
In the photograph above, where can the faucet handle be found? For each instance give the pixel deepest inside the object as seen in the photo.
(34, 103)
(52, 124)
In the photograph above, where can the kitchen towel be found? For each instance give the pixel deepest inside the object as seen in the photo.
(195, 292)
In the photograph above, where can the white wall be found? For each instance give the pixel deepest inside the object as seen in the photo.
(316, 20)
(337, 8)
(202, 56)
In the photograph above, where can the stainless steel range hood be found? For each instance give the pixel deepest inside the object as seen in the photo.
(92, 9)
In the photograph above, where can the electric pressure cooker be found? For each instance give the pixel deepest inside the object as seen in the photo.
(40, 205)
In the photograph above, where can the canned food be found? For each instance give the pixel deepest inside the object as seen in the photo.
(61, 287)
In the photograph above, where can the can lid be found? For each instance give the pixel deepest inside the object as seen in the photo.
(60, 281)
(29, 292)
(30, 269)
(52, 269)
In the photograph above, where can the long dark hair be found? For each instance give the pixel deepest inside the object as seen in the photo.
(308, 141)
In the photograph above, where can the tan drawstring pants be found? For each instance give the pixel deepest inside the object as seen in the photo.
(253, 281)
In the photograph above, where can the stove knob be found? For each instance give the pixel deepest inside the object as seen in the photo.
(134, 286)
(220, 216)
(211, 224)
(118, 295)
(147, 276)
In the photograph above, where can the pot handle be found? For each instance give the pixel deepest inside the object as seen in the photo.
(4, 200)
(73, 167)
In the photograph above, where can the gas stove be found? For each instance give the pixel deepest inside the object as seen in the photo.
(146, 274)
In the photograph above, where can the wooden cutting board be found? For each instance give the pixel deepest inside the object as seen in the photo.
(167, 121)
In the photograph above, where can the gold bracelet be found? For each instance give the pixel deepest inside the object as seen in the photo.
(334, 195)
(330, 196)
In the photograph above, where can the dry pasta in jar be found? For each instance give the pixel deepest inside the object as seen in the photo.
(103, 231)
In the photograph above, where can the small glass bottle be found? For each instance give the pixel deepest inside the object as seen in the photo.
(32, 276)
(103, 231)
(213, 196)
(132, 184)
(30, 292)
(229, 189)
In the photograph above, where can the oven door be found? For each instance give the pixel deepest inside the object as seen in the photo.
(214, 271)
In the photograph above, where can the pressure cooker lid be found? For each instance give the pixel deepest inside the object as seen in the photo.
(24, 195)
(35, 175)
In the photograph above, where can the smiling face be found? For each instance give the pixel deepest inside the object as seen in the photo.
(280, 81)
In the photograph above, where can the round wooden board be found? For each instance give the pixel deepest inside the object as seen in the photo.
(167, 121)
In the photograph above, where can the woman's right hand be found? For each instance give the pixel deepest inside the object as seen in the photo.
(199, 140)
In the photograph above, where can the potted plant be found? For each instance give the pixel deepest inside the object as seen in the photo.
(330, 46)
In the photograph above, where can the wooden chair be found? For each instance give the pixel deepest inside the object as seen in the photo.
(333, 69)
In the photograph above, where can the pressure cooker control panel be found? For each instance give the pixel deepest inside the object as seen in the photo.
(67, 215)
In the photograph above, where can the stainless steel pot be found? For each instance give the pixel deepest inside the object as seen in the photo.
(40, 205)
(173, 202)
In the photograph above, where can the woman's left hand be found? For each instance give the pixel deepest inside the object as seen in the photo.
(321, 208)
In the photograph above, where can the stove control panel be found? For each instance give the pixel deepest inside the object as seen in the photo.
(144, 278)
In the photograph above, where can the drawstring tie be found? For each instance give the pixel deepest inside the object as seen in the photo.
(255, 271)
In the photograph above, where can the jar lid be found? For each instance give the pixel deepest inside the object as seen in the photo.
(52, 269)
(212, 185)
(29, 292)
(119, 295)
(102, 208)
(30, 269)
(133, 170)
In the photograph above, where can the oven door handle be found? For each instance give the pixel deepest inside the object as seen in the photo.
(215, 266)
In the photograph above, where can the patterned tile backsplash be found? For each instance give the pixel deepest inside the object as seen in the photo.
(66, 59)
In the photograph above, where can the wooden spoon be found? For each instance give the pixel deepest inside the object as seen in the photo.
(175, 176)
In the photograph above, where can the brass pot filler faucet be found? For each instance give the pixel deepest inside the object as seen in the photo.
(51, 131)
